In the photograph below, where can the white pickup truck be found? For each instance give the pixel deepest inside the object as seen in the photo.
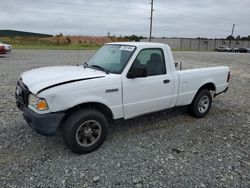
(122, 80)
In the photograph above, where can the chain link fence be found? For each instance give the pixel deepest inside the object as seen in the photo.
(199, 44)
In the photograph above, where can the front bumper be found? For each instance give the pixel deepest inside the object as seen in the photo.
(8, 48)
(45, 124)
(2, 51)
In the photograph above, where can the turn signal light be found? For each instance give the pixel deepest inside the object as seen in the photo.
(42, 105)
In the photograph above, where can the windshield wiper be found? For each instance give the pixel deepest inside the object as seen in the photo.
(100, 68)
(85, 65)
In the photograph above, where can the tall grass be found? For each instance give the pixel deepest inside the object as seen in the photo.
(52, 43)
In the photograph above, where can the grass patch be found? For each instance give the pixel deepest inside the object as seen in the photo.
(57, 47)
(51, 43)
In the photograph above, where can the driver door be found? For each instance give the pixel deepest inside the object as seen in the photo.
(151, 93)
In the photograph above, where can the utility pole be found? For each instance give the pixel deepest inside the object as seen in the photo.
(151, 20)
(231, 36)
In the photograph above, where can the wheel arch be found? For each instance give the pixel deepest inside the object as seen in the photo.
(94, 105)
(209, 86)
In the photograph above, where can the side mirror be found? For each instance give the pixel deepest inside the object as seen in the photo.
(137, 72)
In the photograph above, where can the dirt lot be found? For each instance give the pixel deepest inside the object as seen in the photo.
(164, 149)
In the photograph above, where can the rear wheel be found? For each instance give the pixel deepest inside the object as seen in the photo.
(201, 104)
(85, 131)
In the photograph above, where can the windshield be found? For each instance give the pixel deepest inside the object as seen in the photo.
(111, 58)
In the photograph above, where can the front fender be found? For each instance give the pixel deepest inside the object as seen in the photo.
(61, 101)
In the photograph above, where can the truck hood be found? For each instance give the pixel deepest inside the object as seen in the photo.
(40, 79)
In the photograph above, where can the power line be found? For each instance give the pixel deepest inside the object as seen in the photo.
(115, 18)
(161, 13)
(89, 5)
(211, 17)
(39, 13)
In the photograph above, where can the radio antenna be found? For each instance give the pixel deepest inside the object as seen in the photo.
(78, 47)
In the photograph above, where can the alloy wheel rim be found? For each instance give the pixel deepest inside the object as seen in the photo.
(88, 133)
(203, 104)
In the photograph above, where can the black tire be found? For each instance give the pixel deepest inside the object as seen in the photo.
(82, 127)
(201, 104)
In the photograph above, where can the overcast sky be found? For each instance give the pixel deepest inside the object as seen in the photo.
(172, 18)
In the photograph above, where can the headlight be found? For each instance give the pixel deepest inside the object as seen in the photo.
(38, 103)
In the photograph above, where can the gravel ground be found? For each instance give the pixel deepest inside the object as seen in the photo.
(164, 149)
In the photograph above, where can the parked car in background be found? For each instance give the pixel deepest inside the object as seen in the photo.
(236, 49)
(223, 49)
(7, 47)
(2, 49)
(243, 50)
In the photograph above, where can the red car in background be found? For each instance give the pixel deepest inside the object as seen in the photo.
(2, 50)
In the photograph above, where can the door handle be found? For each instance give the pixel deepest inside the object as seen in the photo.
(166, 81)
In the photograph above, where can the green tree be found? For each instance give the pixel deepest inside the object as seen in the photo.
(230, 37)
(134, 38)
(238, 37)
(68, 39)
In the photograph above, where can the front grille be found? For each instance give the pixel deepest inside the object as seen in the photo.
(22, 94)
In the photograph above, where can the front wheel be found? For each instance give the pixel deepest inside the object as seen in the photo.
(85, 131)
(201, 104)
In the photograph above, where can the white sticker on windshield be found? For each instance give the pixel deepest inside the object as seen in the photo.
(127, 48)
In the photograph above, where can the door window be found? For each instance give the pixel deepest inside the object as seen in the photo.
(152, 60)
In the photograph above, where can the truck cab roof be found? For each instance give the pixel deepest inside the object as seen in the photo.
(141, 44)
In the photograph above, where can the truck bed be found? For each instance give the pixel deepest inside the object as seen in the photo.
(192, 79)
